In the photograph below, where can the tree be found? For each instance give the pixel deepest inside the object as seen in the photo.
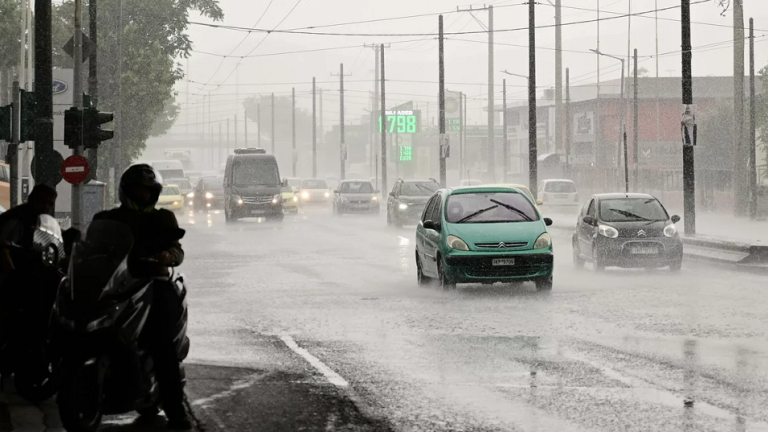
(641, 72)
(10, 16)
(153, 36)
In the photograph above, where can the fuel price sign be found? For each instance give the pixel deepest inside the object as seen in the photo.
(400, 121)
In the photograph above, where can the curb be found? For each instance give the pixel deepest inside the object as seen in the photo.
(730, 254)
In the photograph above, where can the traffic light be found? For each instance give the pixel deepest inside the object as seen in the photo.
(73, 128)
(28, 116)
(6, 131)
(93, 135)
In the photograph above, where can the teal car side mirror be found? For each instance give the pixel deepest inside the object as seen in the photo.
(547, 221)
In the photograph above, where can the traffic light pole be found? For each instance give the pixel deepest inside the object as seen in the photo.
(689, 182)
(13, 149)
(77, 87)
(43, 119)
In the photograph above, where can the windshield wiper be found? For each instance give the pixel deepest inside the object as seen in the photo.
(628, 214)
(479, 212)
(525, 216)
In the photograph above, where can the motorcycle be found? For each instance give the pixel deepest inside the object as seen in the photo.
(26, 302)
(100, 314)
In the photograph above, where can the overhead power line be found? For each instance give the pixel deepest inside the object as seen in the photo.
(515, 29)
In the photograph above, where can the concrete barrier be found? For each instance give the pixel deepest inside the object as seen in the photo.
(725, 251)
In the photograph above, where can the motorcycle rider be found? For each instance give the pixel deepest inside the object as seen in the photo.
(156, 247)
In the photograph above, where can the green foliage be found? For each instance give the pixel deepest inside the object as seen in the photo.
(10, 29)
(153, 37)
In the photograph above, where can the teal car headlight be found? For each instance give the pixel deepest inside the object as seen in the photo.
(544, 241)
(403, 206)
(456, 243)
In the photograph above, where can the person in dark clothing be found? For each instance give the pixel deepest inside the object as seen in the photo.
(156, 248)
(17, 226)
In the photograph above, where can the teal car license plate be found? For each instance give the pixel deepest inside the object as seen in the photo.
(503, 261)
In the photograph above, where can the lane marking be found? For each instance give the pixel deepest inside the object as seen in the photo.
(236, 386)
(329, 374)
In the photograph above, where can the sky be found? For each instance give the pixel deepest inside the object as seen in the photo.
(217, 63)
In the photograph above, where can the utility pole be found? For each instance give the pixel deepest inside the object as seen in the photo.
(13, 149)
(752, 125)
(245, 126)
(635, 132)
(740, 160)
(506, 137)
(93, 82)
(490, 149)
(558, 75)
(117, 147)
(258, 124)
(77, 189)
(342, 143)
(227, 153)
(461, 135)
(532, 152)
(689, 182)
(568, 135)
(235, 134)
(218, 153)
(273, 124)
(441, 102)
(383, 130)
(491, 100)
(320, 107)
(294, 156)
(375, 101)
(314, 128)
(597, 125)
(45, 165)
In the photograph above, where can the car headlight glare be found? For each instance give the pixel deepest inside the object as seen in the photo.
(277, 199)
(208, 195)
(327, 194)
(670, 230)
(191, 195)
(175, 203)
(305, 195)
(375, 199)
(456, 243)
(544, 241)
(295, 198)
(607, 231)
(403, 206)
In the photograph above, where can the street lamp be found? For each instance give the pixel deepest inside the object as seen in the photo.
(621, 119)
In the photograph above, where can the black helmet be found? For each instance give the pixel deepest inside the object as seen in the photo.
(139, 175)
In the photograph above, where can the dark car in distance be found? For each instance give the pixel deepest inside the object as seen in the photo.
(630, 230)
(407, 199)
(209, 194)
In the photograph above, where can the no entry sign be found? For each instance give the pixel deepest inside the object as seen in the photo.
(74, 169)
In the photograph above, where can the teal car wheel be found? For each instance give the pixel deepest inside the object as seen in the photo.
(445, 281)
(544, 284)
(421, 279)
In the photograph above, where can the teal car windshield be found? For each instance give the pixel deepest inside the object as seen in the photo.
(489, 207)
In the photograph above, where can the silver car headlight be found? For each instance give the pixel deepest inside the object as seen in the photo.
(208, 195)
(277, 199)
(191, 195)
(607, 231)
(456, 243)
(544, 241)
(327, 194)
(670, 230)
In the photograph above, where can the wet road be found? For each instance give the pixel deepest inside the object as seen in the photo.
(317, 324)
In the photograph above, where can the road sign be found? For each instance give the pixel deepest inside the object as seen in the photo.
(49, 160)
(75, 169)
(88, 46)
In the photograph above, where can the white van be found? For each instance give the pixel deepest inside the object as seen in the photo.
(169, 169)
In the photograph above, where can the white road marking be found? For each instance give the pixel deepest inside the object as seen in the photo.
(329, 374)
(237, 385)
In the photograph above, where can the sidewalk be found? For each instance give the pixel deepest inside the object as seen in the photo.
(728, 227)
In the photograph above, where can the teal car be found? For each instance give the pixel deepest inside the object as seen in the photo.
(483, 234)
